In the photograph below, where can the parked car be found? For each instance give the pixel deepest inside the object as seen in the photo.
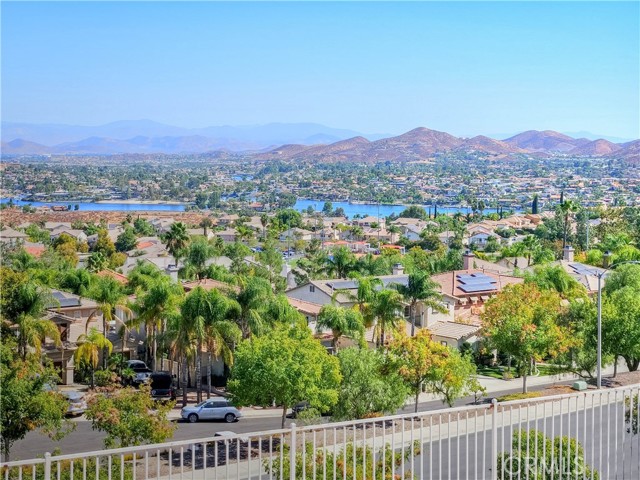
(142, 372)
(301, 407)
(77, 403)
(162, 386)
(212, 409)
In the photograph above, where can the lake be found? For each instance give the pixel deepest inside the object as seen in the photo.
(373, 209)
(350, 209)
(103, 207)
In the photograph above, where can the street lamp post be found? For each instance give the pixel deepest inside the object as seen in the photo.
(600, 276)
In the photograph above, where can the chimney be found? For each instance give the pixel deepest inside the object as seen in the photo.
(606, 259)
(172, 271)
(567, 253)
(398, 269)
(467, 260)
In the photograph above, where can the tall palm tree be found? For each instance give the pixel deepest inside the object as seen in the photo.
(264, 221)
(254, 296)
(567, 207)
(205, 314)
(88, 351)
(531, 244)
(179, 338)
(143, 276)
(197, 255)
(109, 295)
(176, 239)
(386, 307)
(28, 308)
(341, 321)
(420, 288)
(363, 298)
(341, 262)
(154, 306)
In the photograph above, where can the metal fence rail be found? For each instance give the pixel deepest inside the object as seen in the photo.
(589, 435)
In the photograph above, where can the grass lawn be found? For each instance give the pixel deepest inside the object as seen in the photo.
(497, 372)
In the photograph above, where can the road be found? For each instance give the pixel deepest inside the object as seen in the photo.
(84, 439)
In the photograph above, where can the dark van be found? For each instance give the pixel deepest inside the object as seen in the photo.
(162, 387)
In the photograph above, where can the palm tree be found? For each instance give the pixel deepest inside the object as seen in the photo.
(385, 308)
(341, 321)
(205, 315)
(154, 306)
(363, 298)
(176, 239)
(29, 305)
(531, 244)
(109, 296)
(567, 207)
(78, 281)
(197, 255)
(264, 221)
(178, 337)
(88, 351)
(253, 298)
(341, 262)
(205, 224)
(421, 288)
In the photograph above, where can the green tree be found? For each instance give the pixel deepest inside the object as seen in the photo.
(327, 208)
(341, 321)
(420, 288)
(176, 240)
(126, 241)
(289, 218)
(417, 360)
(386, 308)
(131, 417)
(154, 306)
(143, 227)
(567, 208)
(108, 293)
(197, 254)
(340, 262)
(454, 377)
(522, 321)
(414, 211)
(254, 296)
(77, 281)
(104, 244)
(285, 366)
(366, 387)
(26, 403)
(205, 314)
(89, 347)
(97, 262)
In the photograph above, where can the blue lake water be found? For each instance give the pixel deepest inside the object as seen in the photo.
(102, 207)
(373, 209)
(350, 209)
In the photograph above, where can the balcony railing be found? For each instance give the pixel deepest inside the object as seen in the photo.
(587, 435)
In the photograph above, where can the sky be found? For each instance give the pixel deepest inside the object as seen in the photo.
(465, 68)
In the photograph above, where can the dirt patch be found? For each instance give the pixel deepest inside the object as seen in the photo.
(622, 380)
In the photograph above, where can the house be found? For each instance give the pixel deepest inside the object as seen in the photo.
(480, 239)
(228, 219)
(10, 236)
(78, 235)
(229, 235)
(309, 310)
(293, 234)
(70, 313)
(210, 284)
(586, 275)
(199, 232)
(369, 221)
(453, 334)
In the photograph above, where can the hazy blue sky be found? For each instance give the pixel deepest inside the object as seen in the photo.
(465, 68)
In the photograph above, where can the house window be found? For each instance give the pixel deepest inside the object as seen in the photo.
(442, 342)
(312, 288)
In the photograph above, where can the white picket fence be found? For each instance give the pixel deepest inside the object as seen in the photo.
(455, 444)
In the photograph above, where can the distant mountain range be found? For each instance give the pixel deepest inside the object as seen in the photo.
(297, 141)
(421, 143)
(147, 136)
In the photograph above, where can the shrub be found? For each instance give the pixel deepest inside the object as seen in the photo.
(519, 396)
(105, 378)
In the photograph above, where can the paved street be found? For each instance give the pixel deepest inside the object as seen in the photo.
(84, 439)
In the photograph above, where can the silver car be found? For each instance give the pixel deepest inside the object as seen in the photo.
(212, 409)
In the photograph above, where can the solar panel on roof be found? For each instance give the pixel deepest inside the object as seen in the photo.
(481, 287)
(581, 269)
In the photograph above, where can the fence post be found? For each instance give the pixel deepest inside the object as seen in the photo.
(292, 453)
(47, 466)
(494, 439)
